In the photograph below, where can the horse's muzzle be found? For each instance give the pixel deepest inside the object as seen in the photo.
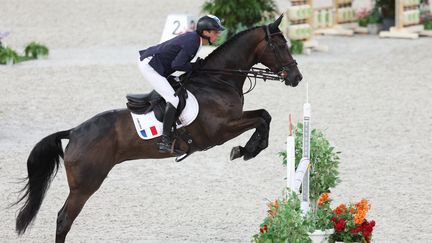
(294, 81)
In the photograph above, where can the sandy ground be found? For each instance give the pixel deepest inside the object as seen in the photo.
(371, 96)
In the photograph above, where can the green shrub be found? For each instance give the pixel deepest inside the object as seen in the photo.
(36, 50)
(237, 13)
(363, 22)
(428, 24)
(296, 47)
(284, 223)
(8, 55)
(374, 16)
(323, 158)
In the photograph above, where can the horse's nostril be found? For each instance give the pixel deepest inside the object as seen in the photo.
(299, 77)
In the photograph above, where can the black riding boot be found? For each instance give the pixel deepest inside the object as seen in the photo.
(168, 121)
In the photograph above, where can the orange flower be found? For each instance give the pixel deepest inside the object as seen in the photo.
(324, 198)
(362, 205)
(359, 217)
(362, 209)
(273, 208)
(339, 209)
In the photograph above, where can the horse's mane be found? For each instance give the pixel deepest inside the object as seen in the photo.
(229, 42)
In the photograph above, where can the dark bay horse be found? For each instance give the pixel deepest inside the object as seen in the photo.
(110, 138)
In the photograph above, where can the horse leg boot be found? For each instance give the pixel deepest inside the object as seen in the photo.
(166, 145)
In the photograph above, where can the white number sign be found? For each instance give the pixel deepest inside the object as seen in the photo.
(177, 24)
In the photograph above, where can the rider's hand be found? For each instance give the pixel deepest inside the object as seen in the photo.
(197, 64)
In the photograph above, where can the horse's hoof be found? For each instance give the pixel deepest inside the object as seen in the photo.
(248, 156)
(236, 152)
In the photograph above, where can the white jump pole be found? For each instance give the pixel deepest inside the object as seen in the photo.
(291, 159)
(300, 177)
(306, 156)
(305, 167)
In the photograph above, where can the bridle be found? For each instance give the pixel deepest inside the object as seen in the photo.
(259, 73)
(283, 69)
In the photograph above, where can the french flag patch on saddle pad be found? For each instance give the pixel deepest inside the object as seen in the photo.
(148, 127)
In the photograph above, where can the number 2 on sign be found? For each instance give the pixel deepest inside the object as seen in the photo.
(177, 26)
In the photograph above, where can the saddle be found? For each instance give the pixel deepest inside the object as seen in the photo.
(145, 103)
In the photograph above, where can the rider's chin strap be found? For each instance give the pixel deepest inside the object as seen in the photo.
(208, 39)
(205, 37)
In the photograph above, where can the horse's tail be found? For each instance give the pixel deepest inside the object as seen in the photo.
(42, 166)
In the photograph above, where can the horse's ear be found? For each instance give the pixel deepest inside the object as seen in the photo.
(278, 21)
(275, 25)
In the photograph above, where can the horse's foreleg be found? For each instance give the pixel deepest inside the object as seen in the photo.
(259, 119)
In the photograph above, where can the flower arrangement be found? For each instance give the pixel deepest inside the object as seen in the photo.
(286, 222)
(350, 223)
(362, 16)
(366, 17)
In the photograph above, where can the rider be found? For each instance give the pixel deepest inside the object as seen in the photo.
(156, 63)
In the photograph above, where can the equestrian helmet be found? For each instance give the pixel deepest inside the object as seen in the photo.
(209, 22)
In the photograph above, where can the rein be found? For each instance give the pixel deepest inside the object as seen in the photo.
(254, 73)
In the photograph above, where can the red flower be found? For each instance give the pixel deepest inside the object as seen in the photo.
(366, 236)
(340, 226)
(357, 229)
(264, 229)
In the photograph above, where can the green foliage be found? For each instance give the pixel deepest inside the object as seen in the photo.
(324, 161)
(285, 224)
(222, 38)
(374, 16)
(237, 13)
(296, 47)
(8, 55)
(36, 50)
(363, 22)
(428, 24)
(321, 218)
(32, 51)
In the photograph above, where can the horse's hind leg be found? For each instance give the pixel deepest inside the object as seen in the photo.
(67, 214)
(84, 179)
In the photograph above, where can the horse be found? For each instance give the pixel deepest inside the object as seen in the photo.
(110, 138)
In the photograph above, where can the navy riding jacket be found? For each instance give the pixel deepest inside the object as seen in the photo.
(174, 54)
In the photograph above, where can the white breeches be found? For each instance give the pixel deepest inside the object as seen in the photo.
(158, 82)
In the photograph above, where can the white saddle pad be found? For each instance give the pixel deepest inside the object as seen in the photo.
(149, 127)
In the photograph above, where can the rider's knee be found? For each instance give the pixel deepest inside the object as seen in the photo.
(173, 100)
